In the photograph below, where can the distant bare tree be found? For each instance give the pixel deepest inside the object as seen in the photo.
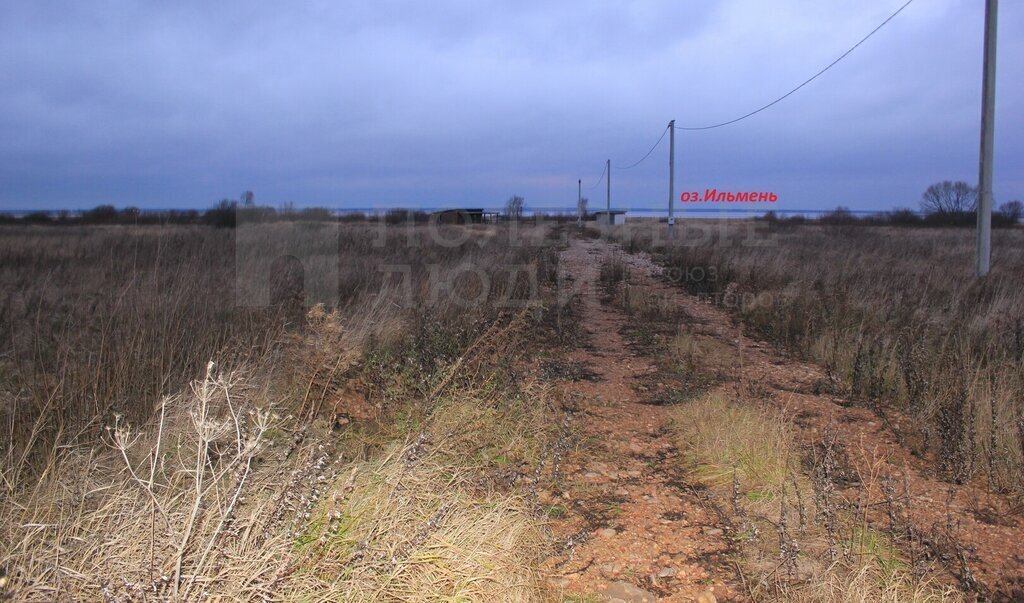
(1012, 210)
(949, 197)
(514, 207)
(248, 199)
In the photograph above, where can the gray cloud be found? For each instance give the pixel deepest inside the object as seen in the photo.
(362, 104)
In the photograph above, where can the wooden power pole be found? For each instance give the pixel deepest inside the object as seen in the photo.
(988, 127)
(608, 169)
(671, 175)
(579, 203)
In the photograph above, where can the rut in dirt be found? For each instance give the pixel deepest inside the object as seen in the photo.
(634, 529)
(965, 531)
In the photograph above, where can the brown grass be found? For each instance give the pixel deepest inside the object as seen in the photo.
(728, 442)
(119, 486)
(98, 321)
(798, 542)
(104, 320)
(221, 500)
(894, 315)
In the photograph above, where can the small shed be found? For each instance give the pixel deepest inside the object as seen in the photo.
(611, 217)
(459, 216)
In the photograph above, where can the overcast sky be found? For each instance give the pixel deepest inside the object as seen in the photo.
(464, 103)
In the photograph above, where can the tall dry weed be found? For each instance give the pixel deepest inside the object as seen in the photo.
(896, 317)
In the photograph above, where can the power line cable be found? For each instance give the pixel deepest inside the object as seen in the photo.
(629, 167)
(808, 81)
(601, 179)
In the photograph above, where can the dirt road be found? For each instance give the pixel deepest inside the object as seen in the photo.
(636, 528)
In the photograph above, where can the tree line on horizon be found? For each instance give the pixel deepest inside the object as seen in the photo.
(945, 203)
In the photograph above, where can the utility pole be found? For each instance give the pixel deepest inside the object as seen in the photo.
(988, 131)
(608, 168)
(671, 175)
(579, 203)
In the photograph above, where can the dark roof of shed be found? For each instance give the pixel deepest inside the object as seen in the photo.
(471, 210)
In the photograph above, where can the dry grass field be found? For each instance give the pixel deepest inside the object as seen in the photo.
(858, 380)
(894, 315)
(508, 413)
(163, 442)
